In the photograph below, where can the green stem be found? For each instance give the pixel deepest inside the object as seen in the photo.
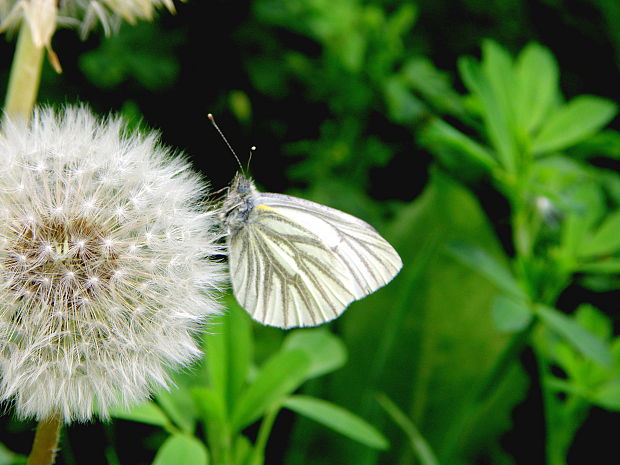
(422, 449)
(562, 418)
(258, 455)
(45, 443)
(220, 442)
(25, 75)
(551, 412)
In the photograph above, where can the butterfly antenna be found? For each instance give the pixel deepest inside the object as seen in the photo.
(252, 150)
(212, 119)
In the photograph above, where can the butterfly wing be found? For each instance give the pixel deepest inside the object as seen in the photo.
(299, 263)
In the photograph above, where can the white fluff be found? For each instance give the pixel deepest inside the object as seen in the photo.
(104, 268)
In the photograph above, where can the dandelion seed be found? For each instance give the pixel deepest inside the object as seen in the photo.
(94, 312)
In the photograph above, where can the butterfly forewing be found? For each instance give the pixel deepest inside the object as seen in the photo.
(371, 260)
(298, 263)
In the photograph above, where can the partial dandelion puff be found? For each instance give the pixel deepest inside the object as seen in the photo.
(105, 275)
(44, 16)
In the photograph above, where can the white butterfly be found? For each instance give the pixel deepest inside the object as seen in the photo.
(298, 263)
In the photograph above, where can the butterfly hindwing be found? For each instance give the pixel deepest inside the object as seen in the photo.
(284, 276)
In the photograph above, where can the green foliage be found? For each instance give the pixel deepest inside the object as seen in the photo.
(577, 335)
(338, 419)
(487, 266)
(361, 44)
(584, 379)
(142, 52)
(179, 448)
(418, 444)
(510, 314)
(10, 458)
(563, 215)
(229, 393)
(148, 413)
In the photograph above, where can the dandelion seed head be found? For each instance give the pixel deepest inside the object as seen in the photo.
(95, 306)
(45, 16)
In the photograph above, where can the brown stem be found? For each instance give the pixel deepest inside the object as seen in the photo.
(45, 443)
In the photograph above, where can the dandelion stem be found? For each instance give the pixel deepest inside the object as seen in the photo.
(45, 443)
(25, 75)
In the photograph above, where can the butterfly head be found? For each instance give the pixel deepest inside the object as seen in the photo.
(239, 203)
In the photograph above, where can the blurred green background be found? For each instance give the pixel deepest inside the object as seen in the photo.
(342, 100)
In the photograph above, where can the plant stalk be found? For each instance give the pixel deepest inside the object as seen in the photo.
(220, 442)
(45, 443)
(258, 455)
(25, 75)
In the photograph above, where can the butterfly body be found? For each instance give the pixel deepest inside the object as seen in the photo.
(294, 262)
(239, 204)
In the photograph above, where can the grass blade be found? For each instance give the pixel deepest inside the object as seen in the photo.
(420, 447)
(338, 419)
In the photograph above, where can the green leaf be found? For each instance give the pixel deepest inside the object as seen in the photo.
(582, 339)
(179, 406)
(229, 353)
(469, 70)
(608, 395)
(536, 87)
(575, 121)
(479, 260)
(615, 352)
(281, 375)
(338, 419)
(325, 351)
(454, 147)
(240, 349)
(509, 314)
(8, 457)
(606, 239)
(210, 405)
(610, 266)
(595, 321)
(181, 449)
(489, 85)
(403, 106)
(605, 143)
(600, 282)
(148, 413)
(216, 358)
(431, 84)
(240, 105)
(242, 450)
(418, 444)
(497, 65)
